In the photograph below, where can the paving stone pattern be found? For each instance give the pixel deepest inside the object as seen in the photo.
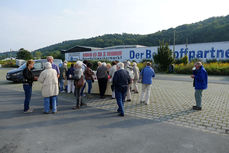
(170, 101)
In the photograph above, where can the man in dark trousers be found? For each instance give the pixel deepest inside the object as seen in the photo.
(102, 77)
(121, 80)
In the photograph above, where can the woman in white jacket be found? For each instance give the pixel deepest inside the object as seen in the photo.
(50, 88)
(136, 76)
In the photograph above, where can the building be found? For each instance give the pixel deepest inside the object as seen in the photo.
(203, 51)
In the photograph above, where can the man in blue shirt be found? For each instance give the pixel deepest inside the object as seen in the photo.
(146, 74)
(54, 66)
(200, 77)
(121, 80)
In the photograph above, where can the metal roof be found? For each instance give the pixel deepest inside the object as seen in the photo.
(80, 49)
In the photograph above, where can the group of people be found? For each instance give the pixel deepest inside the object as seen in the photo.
(50, 85)
(123, 77)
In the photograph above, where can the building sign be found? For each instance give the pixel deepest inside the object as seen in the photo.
(203, 51)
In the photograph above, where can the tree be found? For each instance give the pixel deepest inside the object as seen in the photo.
(164, 56)
(24, 54)
(38, 54)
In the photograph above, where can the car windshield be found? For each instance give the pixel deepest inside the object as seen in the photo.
(22, 66)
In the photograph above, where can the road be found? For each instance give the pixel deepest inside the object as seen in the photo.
(98, 129)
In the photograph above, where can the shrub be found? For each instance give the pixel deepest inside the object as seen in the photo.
(211, 68)
(8, 63)
(163, 57)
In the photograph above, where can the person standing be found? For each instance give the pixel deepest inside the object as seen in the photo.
(49, 80)
(121, 80)
(102, 77)
(70, 74)
(201, 83)
(136, 77)
(62, 78)
(28, 78)
(79, 83)
(84, 67)
(50, 59)
(113, 69)
(147, 74)
(89, 77)
(99, 64)
(129, 68)
(54, 66)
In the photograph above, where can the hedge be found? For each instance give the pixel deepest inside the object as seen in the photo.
(8, 63)
(212, 68)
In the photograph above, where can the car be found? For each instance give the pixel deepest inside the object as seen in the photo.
(16, 75)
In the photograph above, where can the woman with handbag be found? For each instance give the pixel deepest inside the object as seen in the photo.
(79, 83)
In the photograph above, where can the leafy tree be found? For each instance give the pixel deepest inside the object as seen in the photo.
(38, 54)
(210, 30)
(164, 56)
(24, 54)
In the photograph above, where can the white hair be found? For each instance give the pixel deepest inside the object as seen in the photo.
(198, 63)
(79, 63)
(134, 64)
(49, 57)
(120, 65)
(48, 65)
(128, 63)
(104, 64)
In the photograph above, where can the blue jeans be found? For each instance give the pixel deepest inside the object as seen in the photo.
(28, 93)
(47, 104)
(89, 82)
(120, 98)
(61, 84)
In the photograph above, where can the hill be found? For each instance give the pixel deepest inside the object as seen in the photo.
(214, 29)
(210, 30)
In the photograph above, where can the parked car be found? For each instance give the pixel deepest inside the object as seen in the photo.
(16, 75)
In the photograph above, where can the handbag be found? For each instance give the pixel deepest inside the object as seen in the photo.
(80, 83)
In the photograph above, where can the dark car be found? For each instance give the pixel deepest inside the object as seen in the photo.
(16, 75)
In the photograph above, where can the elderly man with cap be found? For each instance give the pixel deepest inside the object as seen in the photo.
(121, 80)
(146, 74)
(200, 77)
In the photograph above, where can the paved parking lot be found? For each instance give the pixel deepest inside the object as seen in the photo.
(172, 98)
(169, 115)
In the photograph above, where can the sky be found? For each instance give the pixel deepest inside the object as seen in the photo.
(33, 24)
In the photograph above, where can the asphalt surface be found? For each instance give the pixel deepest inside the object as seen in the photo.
(93, 130)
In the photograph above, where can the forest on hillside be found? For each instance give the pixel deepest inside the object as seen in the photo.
(214, 29)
